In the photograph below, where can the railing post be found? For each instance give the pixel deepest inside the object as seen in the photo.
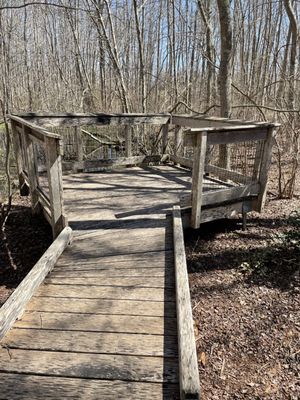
(128, 141)
(54, 171)
(165, 131)
(19, 159)
(264, 168)
(78, 143)
(197, 178)
(32, 170)
(178, 141)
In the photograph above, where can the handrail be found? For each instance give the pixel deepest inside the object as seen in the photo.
(41, 133)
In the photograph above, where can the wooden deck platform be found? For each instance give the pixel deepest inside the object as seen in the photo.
(103, 324)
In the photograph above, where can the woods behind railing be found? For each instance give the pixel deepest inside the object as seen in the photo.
(201, 134)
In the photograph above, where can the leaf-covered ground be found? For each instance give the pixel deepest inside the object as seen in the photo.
(22, 243)
(246, 304)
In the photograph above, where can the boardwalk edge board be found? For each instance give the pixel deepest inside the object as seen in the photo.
(15, 305)
(188, 364)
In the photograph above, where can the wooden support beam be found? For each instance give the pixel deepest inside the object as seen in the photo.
(233, 193)
(128, 141)
(266, 159)
(178, 141)
(24, 189)
(54, 172)
(78, 143)
(230, 135)
(226, 174)
(202, 122)
(98, 165)
(15, 305)
(70, 119)
(188, 365)
(165, 132)
(197, 178)
(36, 131)
(185, 162)
(32, 171)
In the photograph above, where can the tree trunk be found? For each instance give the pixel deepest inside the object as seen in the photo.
(225, 73)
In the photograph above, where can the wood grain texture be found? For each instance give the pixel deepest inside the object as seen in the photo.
(106, 292)
(151, 282)
(89, 366)
(48, 387)
(93, 342)
(98, 323)
(188, 363)
(264, 169)
(102, 306)
(197, 180)
(76, 119)
(54, 174)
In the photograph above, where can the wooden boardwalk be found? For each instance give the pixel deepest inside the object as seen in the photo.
(103, 324)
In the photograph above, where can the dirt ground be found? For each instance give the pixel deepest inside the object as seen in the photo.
(246, 304)
(24, 240)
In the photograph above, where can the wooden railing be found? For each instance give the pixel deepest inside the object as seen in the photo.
(176, 133)
(25, 136)
(202, 133)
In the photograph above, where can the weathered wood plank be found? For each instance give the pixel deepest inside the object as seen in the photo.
(128, 141)
(92, 342)
(188, 364)
(197, 178)
(98, 323)
(103, 306)
(54, 173)
(31, 171)
(19, 159)
(186, 162)
(106, 292)
(91, 271)
(224, 195)
(151, 259)
(17, 387)
(78, 143)
(226, 135)
(222, 211)
(16, 303)
(264, 169)
(151, 282)
(55, 120)
(35, 130)
(165, 131)
(92, 366)
(234, 193)
(108, 246)
(226, 174)
(202, 122)
(98, 165)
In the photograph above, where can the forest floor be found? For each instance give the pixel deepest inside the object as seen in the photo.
(22, 243)
(246, 303)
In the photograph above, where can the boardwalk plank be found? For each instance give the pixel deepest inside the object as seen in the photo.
(162, 259)
(102, 306)
(92, 366)
(149, 282)
(93, 342)
(98, 323)
(45, 387)
(106, 292)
